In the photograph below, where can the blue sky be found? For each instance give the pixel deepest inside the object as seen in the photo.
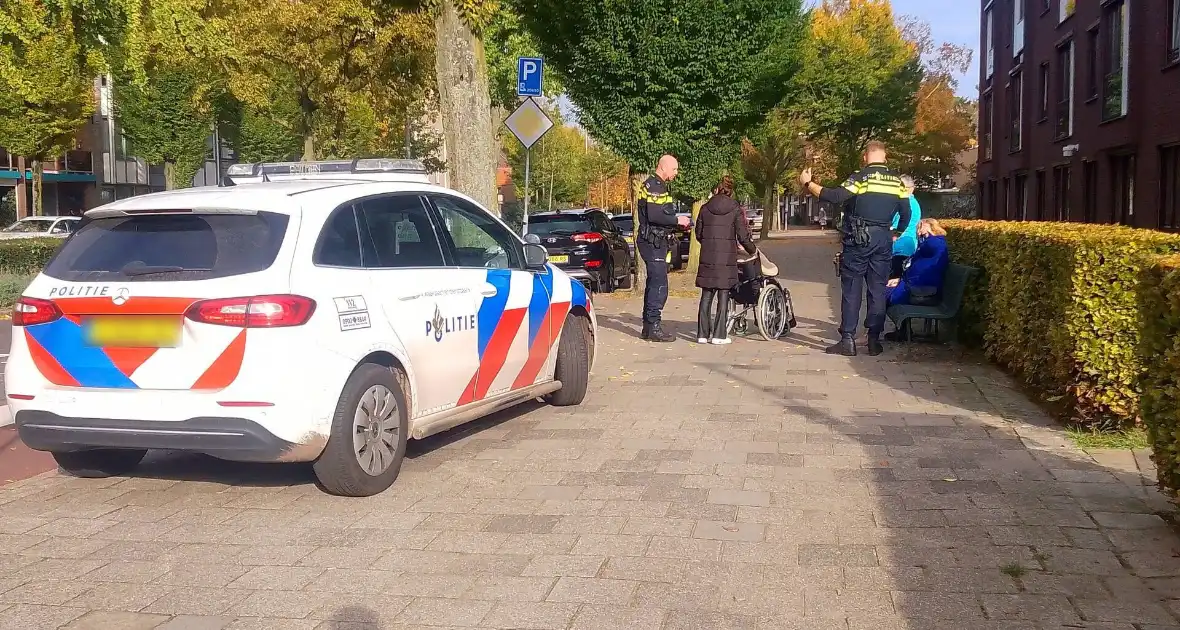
(954, 21)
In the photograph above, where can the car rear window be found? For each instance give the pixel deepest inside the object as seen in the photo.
(156, 247)
(624, 223)
(560, 225)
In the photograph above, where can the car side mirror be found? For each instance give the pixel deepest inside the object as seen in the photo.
(535, 256)
(532, 238)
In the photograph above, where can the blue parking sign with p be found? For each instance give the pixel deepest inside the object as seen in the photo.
(528, 76)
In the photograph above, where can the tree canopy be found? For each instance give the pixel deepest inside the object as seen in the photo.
(858, 80)
(685, 77)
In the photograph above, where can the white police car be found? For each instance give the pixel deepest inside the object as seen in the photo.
(322, 311)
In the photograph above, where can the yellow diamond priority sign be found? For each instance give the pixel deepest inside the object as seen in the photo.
(528, 123)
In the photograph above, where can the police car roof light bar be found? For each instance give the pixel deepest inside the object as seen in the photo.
(357, 166)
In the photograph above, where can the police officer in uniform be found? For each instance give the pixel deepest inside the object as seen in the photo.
(657, 228)
(870, 199)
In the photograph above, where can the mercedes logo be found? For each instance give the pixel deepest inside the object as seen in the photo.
(121, 296)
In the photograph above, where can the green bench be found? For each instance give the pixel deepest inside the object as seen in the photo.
(953, 287)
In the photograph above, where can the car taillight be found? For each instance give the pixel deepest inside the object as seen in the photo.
(261, 311)
(593, 264)
(32, 311)
(588, 237)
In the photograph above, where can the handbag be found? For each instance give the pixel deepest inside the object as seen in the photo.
(924, 296)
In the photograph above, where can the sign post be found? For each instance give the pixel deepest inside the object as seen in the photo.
(529, 122)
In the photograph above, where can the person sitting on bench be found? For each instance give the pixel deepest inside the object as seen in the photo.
(922, 281)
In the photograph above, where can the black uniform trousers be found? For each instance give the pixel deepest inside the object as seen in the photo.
(861, 267)
(655, 294)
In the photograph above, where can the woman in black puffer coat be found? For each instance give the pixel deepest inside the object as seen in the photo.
(721, 225)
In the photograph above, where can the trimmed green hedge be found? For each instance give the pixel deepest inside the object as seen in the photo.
(1161, 362)
(1058, 304)
(26, 256)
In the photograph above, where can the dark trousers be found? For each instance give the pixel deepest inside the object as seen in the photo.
(865, 269)
(655, 294)
(897, 266)
(712, 325)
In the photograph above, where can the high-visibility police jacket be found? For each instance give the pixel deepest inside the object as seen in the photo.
(656, 207)
(875, 194)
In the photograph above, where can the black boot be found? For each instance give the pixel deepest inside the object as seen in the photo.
(846, 346)
(875, 347)
(656, 333)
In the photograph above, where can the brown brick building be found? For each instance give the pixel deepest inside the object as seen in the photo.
(1079, 111)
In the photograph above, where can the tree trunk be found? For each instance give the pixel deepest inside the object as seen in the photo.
(640, 267)
(694, 246)
(465, 108)
(309, 145)
(38, 186)
(169, 175)
(769, 211)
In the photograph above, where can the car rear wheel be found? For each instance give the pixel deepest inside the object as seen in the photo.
(677, 257)
(369, 431)
(573, 362)
(626, 281)
(98, 463)
(606, 280)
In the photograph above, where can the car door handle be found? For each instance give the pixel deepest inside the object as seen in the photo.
(489, 291)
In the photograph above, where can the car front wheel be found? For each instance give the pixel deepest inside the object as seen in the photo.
(573, 362)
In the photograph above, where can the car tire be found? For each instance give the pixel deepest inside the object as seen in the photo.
(677, 257)
(606, 281)
(573, 363)
(627, 281)
(100, 462)
(361, 458)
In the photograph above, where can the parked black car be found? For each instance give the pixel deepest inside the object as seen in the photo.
(626, 225)
(587, 245)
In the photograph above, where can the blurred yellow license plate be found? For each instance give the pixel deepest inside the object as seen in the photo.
(133, 332)
(559, 260)
(630, 238)
(668, 258)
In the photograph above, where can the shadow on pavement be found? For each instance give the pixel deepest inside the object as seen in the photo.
(947, 520)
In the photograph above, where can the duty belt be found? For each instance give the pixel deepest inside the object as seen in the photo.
(654, 235)
(858, 230)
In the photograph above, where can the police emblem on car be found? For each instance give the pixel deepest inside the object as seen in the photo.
(440, 326)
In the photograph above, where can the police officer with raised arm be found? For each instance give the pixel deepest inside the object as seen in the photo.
(870, 198)
(657, 227)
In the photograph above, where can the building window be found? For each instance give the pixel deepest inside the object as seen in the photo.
(1018, 27)
(1061, 192)
(1065, 9)
(1043, 106)
(991, 196)
(1016, 110)
(1115, 75)
(1170, 188)
(1064, 114)
(1040, 209)
(1092, 64)
(1020, 195)
(989, 34)
(1045, 6)
(985, 126)
(1174, 32)
(1004, 205)
(1090, 190)
(1122, 186)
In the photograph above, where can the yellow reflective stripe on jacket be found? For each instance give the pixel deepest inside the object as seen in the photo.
(884, 188)
(653, 199)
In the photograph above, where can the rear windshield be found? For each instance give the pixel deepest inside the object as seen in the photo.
(560, 225)
(156, 247)
(624, 223)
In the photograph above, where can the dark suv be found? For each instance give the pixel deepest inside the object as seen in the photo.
(587, 245)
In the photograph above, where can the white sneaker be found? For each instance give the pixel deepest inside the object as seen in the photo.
(702, 340)
(721, 342)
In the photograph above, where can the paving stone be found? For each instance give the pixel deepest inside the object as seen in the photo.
(592, 591)
(197, 601)
(599, 618)
(445, 612)
(108, 620)
(530, 616)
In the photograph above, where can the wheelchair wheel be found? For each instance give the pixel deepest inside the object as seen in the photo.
(771, 315)
(734, 321)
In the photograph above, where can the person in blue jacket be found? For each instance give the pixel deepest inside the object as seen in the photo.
(907, 243)
(922, 281)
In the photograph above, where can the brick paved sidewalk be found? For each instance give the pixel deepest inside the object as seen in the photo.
(759, 485)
